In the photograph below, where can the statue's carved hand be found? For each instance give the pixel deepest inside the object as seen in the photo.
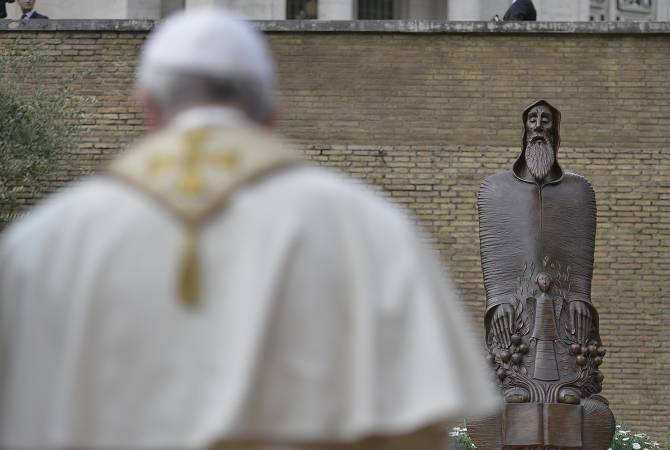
(503, 324)
(581, 321)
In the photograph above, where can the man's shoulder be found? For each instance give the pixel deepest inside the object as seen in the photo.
(317, 188)
(83, 190)
(69, 205)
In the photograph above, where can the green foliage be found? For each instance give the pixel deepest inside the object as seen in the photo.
(461, 439)
(624, 439)
(37, 126)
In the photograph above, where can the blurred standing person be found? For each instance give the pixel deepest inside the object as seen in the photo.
(213, 291)
(3, 8)
(310, 12)
(28, 10)
(521, 10)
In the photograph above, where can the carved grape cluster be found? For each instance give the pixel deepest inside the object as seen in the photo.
(588, 358)
(508, 359)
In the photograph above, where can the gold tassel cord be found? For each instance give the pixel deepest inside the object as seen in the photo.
(190, 274)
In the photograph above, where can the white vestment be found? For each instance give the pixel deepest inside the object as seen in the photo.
(320, 319)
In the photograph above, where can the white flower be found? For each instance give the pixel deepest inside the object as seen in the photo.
(636, 446)
(625, 439)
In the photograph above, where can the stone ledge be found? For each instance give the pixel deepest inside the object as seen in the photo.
(77, 25)
(361, 26)
(434, 26)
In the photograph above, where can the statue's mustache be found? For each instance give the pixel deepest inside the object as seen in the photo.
(538, 138)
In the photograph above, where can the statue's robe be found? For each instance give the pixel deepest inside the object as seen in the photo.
(211, 290)
(524, 225)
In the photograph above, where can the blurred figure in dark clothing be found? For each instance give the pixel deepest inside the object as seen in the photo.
(521, 10)
(3, 9)
(28, 10)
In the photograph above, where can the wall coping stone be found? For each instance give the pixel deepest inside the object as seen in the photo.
(435, 26)
(360, 26)
(92, 25)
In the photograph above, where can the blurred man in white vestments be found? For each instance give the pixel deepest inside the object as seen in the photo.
(212, 291)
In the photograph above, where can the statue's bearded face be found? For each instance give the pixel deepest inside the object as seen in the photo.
(540, 152)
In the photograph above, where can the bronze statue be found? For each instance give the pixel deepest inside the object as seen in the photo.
(537, 229)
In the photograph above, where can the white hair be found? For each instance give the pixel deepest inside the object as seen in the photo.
(172, 90)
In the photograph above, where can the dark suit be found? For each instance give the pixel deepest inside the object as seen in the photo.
(3, 9)
(521, 10)
(37, 15)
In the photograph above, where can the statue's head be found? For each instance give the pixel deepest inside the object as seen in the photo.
(541, 139)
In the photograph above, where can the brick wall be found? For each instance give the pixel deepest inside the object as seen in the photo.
(427, 115)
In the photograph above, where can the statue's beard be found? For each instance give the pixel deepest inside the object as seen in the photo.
(540, 157)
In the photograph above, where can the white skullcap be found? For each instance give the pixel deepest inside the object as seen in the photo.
(208, 41)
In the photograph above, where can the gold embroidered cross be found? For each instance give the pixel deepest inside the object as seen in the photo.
(191, 162)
